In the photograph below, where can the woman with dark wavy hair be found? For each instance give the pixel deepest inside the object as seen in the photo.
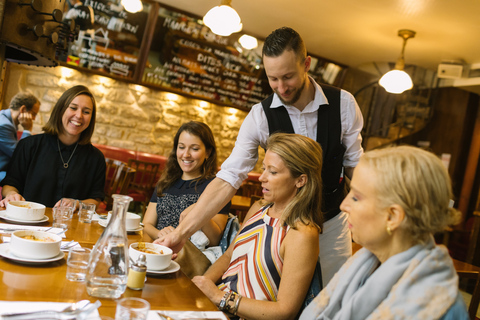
(191, 166)
(61, 162)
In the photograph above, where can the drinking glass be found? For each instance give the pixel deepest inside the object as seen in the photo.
(132, 309)
(61, 217)
(86, 211)
(69, 203)
(77, 263)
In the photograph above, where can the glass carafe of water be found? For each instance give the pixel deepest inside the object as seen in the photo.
(108, 264)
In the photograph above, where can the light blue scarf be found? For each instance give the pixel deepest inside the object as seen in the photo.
(420, 283)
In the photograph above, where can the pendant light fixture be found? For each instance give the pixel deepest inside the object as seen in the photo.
(397, 80)
(248, 42)
(132, 6)
(223, 19)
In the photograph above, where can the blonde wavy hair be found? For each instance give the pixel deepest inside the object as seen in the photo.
(301, 155)
(418, 181)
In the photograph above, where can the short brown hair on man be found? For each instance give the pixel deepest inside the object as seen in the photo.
(23, 99)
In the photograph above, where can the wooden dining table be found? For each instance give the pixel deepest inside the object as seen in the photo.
(48, 283)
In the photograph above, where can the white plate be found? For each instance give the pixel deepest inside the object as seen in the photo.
(5, 252)
(173, 267)
(3, 215)
(103, 223)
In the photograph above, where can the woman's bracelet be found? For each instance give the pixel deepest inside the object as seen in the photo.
(224, 302)
(237, 302)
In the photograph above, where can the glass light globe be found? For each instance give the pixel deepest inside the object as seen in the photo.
(223, 20)
(132, 6)
(248, 42)
(396, 81)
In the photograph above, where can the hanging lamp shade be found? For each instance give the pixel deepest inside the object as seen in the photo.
(397, 80)
(248, 42)
(223, 19)
(132, 6)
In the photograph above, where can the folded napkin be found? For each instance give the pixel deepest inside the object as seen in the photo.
(8, 226)
(97, 217)
(28, 306)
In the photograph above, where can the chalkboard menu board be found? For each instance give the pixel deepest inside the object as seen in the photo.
(185, 56)
(172, 50)
(109, 39)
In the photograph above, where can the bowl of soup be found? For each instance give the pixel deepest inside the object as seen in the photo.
(158, 256)
(25, 210)
(37, 245)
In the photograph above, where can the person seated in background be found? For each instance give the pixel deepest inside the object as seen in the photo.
(399, 199)
(23, 109)
(191, 165)
(61, 162)
(267, 270)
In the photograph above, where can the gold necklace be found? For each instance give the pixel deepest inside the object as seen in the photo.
(65, 164)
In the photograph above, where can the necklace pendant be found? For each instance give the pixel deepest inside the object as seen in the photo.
(65, 165)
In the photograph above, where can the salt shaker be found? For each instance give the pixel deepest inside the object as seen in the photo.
(137, 273)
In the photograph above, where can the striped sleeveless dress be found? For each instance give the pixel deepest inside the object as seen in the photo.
(256, 266)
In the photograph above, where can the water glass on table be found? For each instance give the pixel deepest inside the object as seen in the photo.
(132, 309)
(69, 203)
(86, 211)
(77, 263)
(61, 217)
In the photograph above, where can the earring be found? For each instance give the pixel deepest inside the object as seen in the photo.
(389, 231)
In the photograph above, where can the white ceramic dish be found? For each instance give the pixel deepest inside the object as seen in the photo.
(103, 223)
(154, 261)
(4, 216)
(5, 252)
(35, 249)
(173, 267)
(132, 220)
(25, 210)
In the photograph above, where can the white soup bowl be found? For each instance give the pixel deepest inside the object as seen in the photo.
(45, 246)
(25, 210)
(155, 261)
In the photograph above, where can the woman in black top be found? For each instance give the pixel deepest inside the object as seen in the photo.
(61, 162)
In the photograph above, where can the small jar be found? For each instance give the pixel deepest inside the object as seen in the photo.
(137, 273)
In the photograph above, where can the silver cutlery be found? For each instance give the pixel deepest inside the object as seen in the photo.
(68, 245)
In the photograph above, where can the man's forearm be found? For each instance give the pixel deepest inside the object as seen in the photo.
(215, 196)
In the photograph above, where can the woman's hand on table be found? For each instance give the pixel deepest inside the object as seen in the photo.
(67, 202)
(209, 289)
(11, 197)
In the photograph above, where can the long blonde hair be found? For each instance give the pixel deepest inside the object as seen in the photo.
(301, 155)
(418, 181)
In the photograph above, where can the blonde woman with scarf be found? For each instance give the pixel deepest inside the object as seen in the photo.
(399, 198)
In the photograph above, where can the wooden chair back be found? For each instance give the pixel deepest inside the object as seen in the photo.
(146, 176)
(118, 178)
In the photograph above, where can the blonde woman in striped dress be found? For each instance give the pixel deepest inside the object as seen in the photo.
(266, 272)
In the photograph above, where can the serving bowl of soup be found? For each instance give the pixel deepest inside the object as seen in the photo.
(37, 245)
(158, 256)
(25, 210)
